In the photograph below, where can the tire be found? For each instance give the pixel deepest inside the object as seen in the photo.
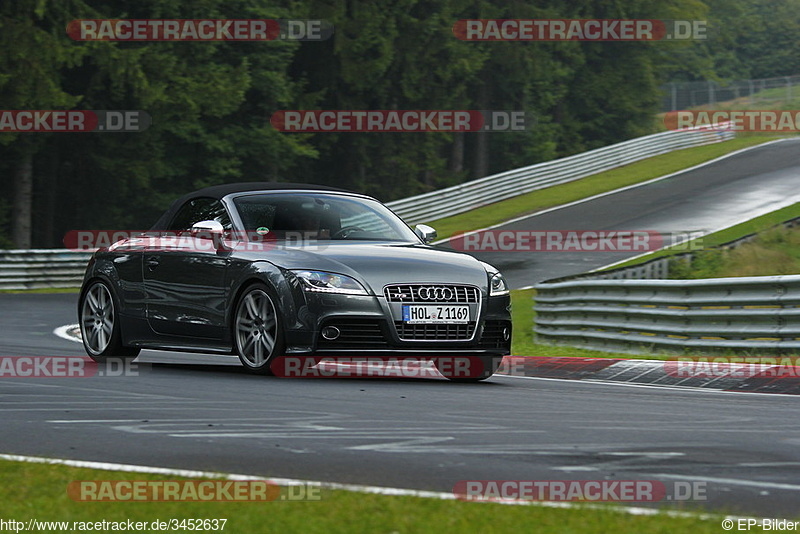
(100, 324)
(490, 364)
(257, 329)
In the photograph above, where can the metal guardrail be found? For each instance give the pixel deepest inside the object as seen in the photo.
(758, 314)
(477, 193)
(39, 269)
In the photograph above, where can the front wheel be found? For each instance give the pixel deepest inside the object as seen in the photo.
(100, 325)
(258, 335)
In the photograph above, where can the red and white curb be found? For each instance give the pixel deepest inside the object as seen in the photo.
(750, 375)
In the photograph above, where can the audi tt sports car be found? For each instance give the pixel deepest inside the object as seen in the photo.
(264, 270)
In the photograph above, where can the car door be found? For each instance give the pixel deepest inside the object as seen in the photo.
(184, 275)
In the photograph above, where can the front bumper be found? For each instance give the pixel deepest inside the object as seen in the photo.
(369, 325)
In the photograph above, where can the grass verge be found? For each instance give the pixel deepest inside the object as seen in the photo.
(596, 184)
(753, 226)
(773, 252)
(39, 491)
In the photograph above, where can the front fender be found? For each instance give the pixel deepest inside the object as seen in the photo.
(291, 299)
(123, 273)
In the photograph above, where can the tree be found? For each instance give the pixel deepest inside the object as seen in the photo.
(32, 39)
(209, 103)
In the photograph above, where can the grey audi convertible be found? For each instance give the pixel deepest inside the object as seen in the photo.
(266, 270)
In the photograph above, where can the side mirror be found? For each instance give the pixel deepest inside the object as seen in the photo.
(425, 232)
(212, 230)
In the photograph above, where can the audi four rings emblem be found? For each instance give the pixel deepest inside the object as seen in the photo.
(435, 293)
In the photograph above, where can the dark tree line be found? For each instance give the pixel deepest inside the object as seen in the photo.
(211, 101)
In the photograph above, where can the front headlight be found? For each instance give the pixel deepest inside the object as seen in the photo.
(497, 284)
(323, 282)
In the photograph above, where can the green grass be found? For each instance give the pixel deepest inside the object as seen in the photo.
(753, 226)
(39, 491)
(772, 252)
(634, 173)
(768, 99)
(776, 98)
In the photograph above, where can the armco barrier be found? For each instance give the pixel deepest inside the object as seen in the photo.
(38, 269)
(756, 314)
(470, 195)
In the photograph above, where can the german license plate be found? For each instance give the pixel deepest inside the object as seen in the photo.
(434, 314)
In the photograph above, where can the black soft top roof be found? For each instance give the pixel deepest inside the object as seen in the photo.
(222, 190)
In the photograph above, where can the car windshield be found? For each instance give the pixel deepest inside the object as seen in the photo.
(301, 216)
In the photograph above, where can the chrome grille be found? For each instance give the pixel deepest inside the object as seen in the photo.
(427, 293)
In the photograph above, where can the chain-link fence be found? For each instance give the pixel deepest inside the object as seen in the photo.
(749, 94)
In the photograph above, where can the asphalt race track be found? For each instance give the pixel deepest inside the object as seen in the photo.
(743, 186)
(742, 449)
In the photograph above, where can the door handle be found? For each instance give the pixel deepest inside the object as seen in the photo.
(152, 263)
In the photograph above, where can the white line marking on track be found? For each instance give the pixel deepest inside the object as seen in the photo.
(158, 421)
(735, 482)
(358, 488)
(61, 332)
(666, 454)
(768, 464)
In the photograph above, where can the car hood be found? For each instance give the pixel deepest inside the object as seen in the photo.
(378, 265)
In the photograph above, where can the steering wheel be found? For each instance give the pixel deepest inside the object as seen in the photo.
(346, 231)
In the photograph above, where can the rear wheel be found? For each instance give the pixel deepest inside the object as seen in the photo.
(480, 368)
(100, 325)
(258, 335)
